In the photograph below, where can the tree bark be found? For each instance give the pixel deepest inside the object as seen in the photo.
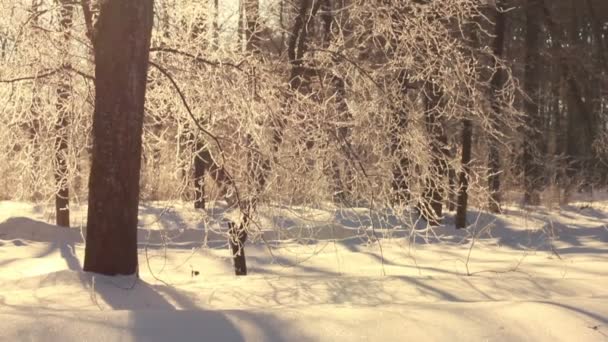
(237, 239)
(582, 123)
(400, 183)
(64, 93)
(463, 177)
(200, 168)
(298, 78)
(497, 83)
(122, 46)
(532, 141)
(251, 9)
(432, 201)
(201, 164)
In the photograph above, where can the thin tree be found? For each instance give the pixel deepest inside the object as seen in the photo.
(531, 167)
(251, 9)
(121, 42)
(431, 207)
(497, 84)
(64, 92)
(201, 161)
(400, 183)
(463, 177)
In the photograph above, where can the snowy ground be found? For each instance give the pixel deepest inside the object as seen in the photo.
(522, 276)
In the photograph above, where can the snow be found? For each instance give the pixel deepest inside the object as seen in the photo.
(315, 275)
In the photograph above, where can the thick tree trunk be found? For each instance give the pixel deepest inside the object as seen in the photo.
(532, 174)
(497, 83)
(463, 177)
(64, 93)
(122, 46)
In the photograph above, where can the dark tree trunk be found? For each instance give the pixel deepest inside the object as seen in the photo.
(342, 178)
(452, 183)
(252, 30)
(33, 125)
(64, 92)
(200, 163)
(398, 149)
(298, 43)
(237, 236)
(463, 177)
(255, 162)
(582, 123)
(497, 83)
(432, 202)
(122, 46)
(342, 173)
(532, 140)
(298, 79)
(596, 25)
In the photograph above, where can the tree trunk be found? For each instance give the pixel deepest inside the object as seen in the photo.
(432, 201)
(582, 123)
(497, 84)
(121, 46)
(64, 93)
(298, 78)
(463, 177)
(398, 149)
(237, 238)
(200, 163)
(200, 167)
(33, 125)
(532, 141)
(342, 187)
(596, 26)
(251, 9)
(342, 173)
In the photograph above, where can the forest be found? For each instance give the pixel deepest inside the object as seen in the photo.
(435, 160)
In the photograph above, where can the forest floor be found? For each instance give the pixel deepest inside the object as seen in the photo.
(316, 274)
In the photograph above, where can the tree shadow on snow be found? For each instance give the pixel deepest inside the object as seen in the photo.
(20, 230)
(537, 231)
(155, 318)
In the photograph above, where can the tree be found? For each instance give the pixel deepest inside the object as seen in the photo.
(497, 84)
(431, 207)
(534, 16)
(463, 180)
(201, 163)
(251, 9)
(64, 90)
(398, 149)
(121, 46)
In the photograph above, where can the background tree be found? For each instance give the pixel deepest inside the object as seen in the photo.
(366, 99)
(64, 103)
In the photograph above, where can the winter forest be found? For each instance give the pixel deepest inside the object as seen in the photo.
(304, 170)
